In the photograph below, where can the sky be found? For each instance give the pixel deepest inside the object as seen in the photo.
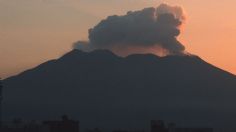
(34, 31)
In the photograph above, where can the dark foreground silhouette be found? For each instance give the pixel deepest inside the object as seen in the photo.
(68, 125)
(105, 90)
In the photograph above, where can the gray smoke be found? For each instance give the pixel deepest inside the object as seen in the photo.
(146, 28)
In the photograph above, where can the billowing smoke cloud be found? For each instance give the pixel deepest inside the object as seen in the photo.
(150, 27)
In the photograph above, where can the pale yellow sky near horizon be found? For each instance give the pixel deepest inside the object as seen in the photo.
(34, 31)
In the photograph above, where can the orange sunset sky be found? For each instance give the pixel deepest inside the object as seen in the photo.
(34, 31)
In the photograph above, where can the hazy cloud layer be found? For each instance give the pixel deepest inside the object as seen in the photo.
(146, 28)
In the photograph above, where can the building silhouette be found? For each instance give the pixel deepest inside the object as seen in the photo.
(1, 86)
(65, 125)
(193, 130)
(159, 126)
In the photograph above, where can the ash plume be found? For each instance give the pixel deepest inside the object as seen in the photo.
(144, 29)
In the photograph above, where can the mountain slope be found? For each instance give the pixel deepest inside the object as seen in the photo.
(105, 90)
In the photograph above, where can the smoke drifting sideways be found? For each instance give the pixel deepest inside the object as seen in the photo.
(152, 30)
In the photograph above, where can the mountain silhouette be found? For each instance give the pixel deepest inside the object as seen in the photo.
(104, 90)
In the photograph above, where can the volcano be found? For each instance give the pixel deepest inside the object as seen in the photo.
(104, 90)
